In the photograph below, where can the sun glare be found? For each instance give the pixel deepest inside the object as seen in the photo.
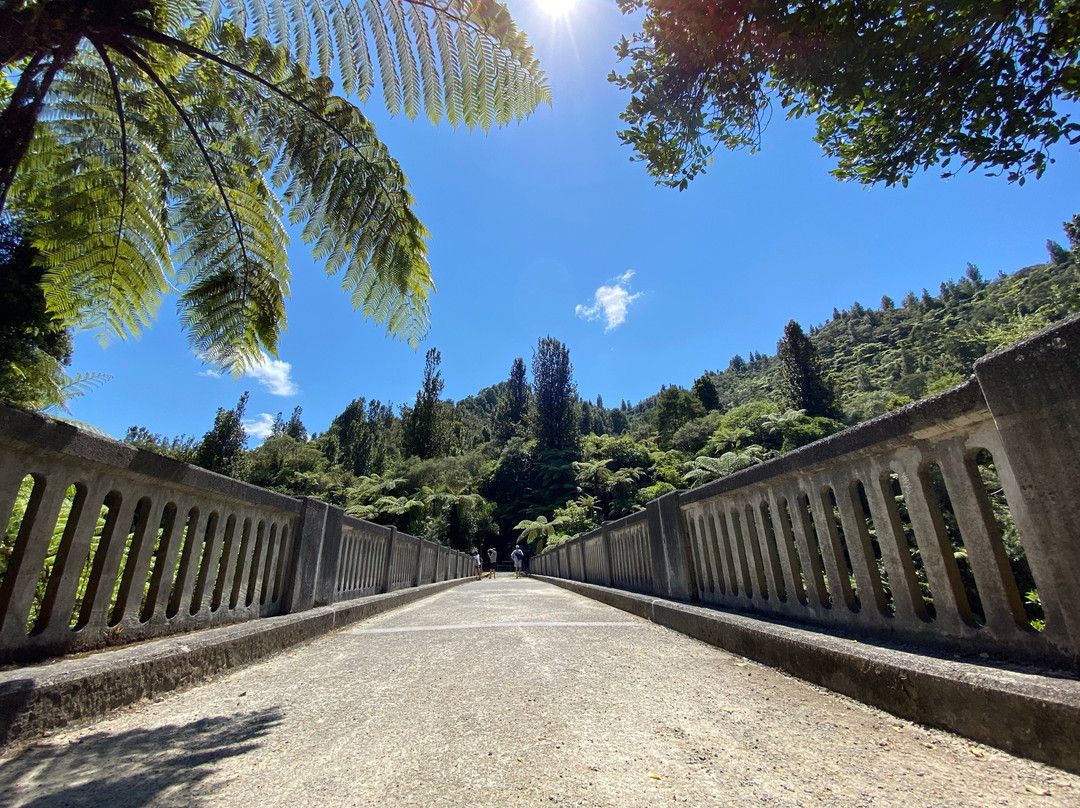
(557, 8)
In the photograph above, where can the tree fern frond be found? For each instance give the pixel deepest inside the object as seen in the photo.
(342, 28)
(469, 77)
(410, 76)
(486, 78)
(301, 31)
(324, 44)
(451, 72)
(384, 50)
(279, 16)
(261, 21)
(107, 257)
(351, 200)
(237, 13)
(365, 76)
(429, 69)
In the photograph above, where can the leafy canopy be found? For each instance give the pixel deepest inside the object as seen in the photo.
(895, 86)
(155, 145)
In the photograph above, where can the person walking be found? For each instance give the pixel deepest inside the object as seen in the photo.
(479, 567)
(518, 556)
(493, 556)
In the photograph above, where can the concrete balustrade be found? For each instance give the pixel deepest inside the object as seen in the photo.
(113, 544)
(850, 532)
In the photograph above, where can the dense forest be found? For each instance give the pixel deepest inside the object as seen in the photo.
(529, 459)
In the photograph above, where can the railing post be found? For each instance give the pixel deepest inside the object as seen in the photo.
(605, 543)
(1033, 392)
(388, 571)
(669, 545)
(326, 581)
(302, 573)
(419, 563)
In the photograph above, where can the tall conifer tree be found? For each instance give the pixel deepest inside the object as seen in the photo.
(802, 378)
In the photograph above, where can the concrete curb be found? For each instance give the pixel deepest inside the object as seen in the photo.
(39, 699)
(1025, 714)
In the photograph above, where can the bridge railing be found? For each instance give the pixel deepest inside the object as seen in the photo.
(916, 526)
(105, 544)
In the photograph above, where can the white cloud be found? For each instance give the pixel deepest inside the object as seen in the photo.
(610, 302)
(260, 427)
(210, 374)
(273, 374)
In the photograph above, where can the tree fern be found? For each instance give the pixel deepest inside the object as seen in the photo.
(146, 141)
(517, 71)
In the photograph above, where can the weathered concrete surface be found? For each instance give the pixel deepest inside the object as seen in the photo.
(1028, 714)
(41, 698)
(509, 693)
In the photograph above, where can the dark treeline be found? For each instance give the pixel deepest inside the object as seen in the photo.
(530, 459)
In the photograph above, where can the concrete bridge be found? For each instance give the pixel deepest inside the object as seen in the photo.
(881, 563)
(514, 692)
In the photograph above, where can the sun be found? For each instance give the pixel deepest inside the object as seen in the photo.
(557, 8)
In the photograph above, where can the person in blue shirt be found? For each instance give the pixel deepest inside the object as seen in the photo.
(518, 556)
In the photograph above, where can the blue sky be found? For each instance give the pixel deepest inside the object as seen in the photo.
(547, 228)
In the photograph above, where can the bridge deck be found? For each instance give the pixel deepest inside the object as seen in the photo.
(514, 692)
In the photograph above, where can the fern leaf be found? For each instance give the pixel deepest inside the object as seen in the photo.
(385, 52)
(280, 23)
(365, 76)
(469, 78)
(410, 77)
(429, 69)
(409, 72)
(342, 27)
(451, 71)
(486, 77)
(323, 42)
(301, 31)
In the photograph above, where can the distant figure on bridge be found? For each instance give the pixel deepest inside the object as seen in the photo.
(493, 556)
(517, 555)
(479, 567)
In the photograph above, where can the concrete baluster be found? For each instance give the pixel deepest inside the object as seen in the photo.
(817, 596)
(28, 557)
(767, 538)
(752, 541)
(106, 567)
(140, 554)
(951, 609)
(790, 563)
(735, 539)
(861, 552)
(832, 554)
(56, 607)
(908, 604)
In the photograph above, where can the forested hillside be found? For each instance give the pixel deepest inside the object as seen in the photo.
(529, 459)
